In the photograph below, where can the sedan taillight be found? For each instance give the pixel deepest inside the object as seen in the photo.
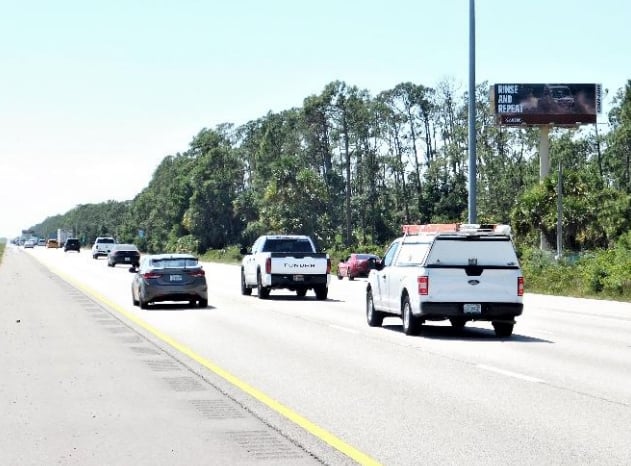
(197, 273)
(423, 285)
(150, 275)
(520, 286)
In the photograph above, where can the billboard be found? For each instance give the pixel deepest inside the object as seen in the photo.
(544, 104)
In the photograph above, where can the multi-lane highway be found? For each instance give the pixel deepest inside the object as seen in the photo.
(557, 392)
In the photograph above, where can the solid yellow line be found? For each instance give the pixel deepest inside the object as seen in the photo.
(288, 413)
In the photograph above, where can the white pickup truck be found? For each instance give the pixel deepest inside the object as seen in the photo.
(102, 246)
(285, 261)
(448, 271)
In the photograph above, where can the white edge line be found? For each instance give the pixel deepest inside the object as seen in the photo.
(344, 329)
(510, 374)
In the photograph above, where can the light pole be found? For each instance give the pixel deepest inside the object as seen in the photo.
(472, 139)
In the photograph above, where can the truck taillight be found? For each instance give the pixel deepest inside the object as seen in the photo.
(328, 266)
(520, 286)
(268, 265)
(423, 285)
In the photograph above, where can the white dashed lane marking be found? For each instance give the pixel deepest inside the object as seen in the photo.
(515, 375)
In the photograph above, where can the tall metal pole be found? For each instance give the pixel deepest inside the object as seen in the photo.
(560, 212)
(472, 139)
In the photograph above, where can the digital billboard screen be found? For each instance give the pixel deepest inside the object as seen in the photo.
(544, 104)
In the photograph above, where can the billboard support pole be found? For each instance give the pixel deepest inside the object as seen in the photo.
(544, 170)
(472, 139)
(544, 152)
(560, 213)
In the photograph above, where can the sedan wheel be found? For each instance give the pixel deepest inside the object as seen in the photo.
(134, 301)
(142, 303)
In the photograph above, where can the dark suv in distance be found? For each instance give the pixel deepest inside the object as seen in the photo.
(124, 254)
(72, 244)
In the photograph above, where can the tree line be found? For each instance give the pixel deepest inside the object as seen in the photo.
(350, 168)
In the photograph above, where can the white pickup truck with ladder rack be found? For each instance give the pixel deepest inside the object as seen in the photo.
(460, 272)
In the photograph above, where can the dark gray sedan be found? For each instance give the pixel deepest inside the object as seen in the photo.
(169, 277)
(124, 254)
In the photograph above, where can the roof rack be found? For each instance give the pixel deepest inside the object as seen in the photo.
(433, 228)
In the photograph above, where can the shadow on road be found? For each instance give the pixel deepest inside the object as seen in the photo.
(281, 297)
(176, 307)
(441, 332)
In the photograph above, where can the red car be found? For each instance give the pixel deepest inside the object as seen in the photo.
(357, 265)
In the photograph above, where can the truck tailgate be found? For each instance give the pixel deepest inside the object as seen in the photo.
(491, 285)
(299, 263)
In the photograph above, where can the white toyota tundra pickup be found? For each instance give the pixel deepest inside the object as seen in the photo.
(285, 261)
(460, 272)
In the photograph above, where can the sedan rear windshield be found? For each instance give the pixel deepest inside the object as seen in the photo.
(173, 263)
(125, 247)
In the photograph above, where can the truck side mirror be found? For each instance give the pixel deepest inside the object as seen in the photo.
(244, 251)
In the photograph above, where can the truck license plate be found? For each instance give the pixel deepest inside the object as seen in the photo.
(472, 308)
(299, 278)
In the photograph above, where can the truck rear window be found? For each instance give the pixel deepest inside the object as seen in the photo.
(287, 245)
(496, 252)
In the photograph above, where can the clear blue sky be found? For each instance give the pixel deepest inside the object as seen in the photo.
(93, 95)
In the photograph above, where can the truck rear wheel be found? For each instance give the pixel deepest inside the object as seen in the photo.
(411, 323)
(245, 290)
(373, 317)
(321, 292)
(457, 323)
(263, 291)
(503, 329)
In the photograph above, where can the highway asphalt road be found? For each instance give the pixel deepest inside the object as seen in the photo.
(557, 392)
